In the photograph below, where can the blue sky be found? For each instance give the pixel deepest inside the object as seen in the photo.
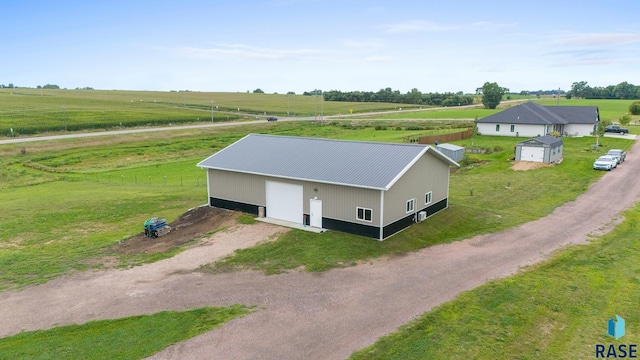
(298, 45)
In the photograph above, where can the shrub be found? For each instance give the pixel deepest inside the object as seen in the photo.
(634, 108)
(624, 120)
(467, 160)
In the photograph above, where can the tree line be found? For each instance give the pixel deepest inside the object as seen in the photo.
(395, 96)
(623, 90)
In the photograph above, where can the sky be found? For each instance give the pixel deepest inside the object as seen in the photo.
(302, 45)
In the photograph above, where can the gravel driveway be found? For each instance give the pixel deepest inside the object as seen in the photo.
(315, 315)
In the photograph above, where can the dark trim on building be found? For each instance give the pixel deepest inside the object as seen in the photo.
(399, 225)
(234, 205)
(440, 205)
(352, 228)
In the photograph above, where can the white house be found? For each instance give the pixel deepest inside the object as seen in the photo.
(533, 120)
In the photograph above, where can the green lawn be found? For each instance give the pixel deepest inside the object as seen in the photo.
(134, 337)
(555, 310)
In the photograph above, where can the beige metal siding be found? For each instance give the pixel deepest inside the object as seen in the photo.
(427, 174)
(245, 188)
(338, 202)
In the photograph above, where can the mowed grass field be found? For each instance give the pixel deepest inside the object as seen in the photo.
(66, 202)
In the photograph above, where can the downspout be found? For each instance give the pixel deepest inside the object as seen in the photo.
(381, 215)
(208, 189)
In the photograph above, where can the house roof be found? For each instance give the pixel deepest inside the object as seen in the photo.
(546, 139)
(352, 163)
(531, 113)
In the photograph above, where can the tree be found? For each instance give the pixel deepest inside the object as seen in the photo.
(624, 120)
(578, 89)
(624, 90)
(492, 95)
(258, 91)
(601, 125)
(634, 108)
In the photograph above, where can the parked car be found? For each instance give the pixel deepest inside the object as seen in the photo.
(619, 154)
(605, 163)
(272, 118)
(616, 129)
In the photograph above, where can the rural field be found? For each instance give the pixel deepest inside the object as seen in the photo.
(68, 204)
(29, 111)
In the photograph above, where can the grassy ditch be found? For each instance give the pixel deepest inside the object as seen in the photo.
(555, 310)
(134, 337)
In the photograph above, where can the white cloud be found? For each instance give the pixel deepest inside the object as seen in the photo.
(379, 59)
(241, 51)
(431, 26)
(492, 25)
(600, 39)
(362, 44)
(417, 26)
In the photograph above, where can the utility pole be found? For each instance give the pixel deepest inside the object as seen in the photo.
(322, 105)
(211, 110)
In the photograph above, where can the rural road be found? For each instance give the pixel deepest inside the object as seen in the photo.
(20, 140)
(324, 315)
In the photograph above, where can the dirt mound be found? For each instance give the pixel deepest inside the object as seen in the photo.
(528, 165)
(191, 225)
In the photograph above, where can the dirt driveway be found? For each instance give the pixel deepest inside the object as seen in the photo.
(315, 315)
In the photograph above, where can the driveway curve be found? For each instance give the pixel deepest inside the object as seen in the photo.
(317, 315)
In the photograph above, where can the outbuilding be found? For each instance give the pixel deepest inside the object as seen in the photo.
(454, 152)
(545, 149)
(366, 188)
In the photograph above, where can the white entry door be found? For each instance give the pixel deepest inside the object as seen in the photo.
(315, 213)
(284, 201)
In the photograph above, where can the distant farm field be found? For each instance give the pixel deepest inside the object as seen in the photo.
(29, 111)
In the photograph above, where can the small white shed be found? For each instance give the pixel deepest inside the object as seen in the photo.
(545, 149)
(453, 152)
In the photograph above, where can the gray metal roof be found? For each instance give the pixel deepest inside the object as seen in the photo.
(449, 147)
(535, 114)
(352, 163)
(546, 139)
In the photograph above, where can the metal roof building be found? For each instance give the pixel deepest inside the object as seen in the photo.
(532, 119)
(366, 188)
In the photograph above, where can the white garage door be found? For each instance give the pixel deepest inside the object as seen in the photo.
(532, 154)
(284, 201)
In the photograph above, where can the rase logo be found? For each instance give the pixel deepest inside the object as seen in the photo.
(616, 329)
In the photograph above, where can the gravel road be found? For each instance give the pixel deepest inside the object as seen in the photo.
(315, 315)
